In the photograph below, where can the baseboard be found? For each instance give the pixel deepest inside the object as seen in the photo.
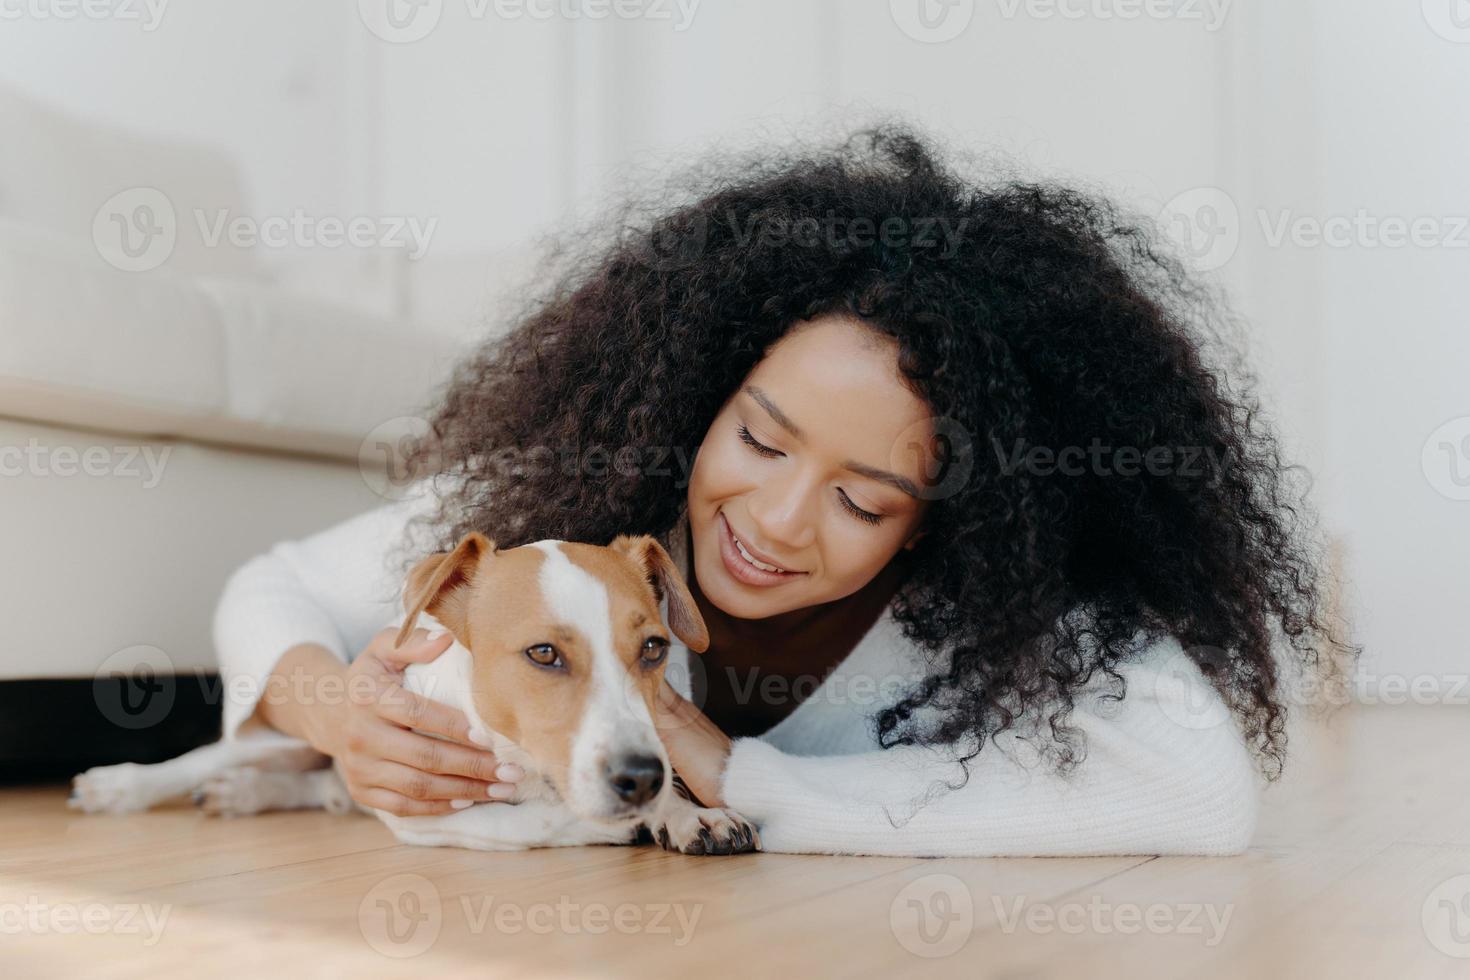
(53, 729)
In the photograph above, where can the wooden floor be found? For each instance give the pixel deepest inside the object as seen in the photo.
(1360, 868)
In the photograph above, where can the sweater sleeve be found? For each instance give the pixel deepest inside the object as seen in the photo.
(1165, 772)
(335, 588)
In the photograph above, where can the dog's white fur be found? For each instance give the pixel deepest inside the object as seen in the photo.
(265, 770)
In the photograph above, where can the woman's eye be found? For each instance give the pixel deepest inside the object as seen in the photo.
(655, 648)
(866, 517)
(544, 655)
(758, 446)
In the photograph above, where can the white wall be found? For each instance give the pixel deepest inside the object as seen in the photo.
(501, 128)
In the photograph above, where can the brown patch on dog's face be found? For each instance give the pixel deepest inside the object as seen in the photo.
(567, 650)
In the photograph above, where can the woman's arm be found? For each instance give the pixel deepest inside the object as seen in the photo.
(327, 594)
(1166, 772)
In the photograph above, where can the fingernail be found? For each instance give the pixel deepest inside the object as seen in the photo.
(436, 634)
(509, 772)
(461, 804)
(481, 737)
(500, 791)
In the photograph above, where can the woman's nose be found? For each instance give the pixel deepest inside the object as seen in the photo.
(780, 511)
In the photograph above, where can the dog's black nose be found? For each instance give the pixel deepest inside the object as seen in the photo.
(636, 778)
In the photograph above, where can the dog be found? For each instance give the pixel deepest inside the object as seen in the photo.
(558, 655)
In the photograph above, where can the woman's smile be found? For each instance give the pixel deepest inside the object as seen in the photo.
(743, 566)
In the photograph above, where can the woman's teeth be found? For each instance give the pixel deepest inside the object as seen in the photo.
(758, 564)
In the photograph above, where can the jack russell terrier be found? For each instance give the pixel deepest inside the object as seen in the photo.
(559, 652)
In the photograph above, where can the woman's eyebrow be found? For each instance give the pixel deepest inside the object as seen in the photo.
(862, 469)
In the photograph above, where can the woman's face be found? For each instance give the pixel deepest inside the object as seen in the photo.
(806, 464)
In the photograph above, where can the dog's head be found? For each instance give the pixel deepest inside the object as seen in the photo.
(568, 652)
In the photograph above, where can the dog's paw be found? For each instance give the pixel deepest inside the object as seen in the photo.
(237, 792)
(700, 830)
(111, 789)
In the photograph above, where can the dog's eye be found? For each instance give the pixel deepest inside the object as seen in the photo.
(544, 655)
(655, 649)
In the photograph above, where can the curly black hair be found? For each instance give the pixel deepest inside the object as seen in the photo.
(1034, 318)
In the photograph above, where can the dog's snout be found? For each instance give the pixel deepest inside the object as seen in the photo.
(636, 778)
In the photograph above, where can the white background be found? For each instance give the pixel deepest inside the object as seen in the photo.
(502, 128)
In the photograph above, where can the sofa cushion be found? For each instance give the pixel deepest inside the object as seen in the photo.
(208, 358)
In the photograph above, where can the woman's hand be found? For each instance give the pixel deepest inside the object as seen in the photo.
(696, 746)
(367, 728)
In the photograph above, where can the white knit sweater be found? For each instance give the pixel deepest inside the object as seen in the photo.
(1166, 771)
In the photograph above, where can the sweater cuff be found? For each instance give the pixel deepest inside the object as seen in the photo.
(754, 780)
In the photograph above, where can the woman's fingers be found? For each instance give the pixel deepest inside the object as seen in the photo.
(400, 805)
(419, 785)
(448, 758)
(409, 710)
(420, 647)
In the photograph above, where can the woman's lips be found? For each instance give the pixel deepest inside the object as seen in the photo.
(742, 570)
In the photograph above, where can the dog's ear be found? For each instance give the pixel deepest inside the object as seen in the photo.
(439, 585)
(660, 571)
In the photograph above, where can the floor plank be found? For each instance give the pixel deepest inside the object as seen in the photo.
(1361, 867)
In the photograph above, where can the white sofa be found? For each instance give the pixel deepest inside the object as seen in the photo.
(260, 395)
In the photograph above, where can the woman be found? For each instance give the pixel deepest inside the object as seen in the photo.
(991, 559)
